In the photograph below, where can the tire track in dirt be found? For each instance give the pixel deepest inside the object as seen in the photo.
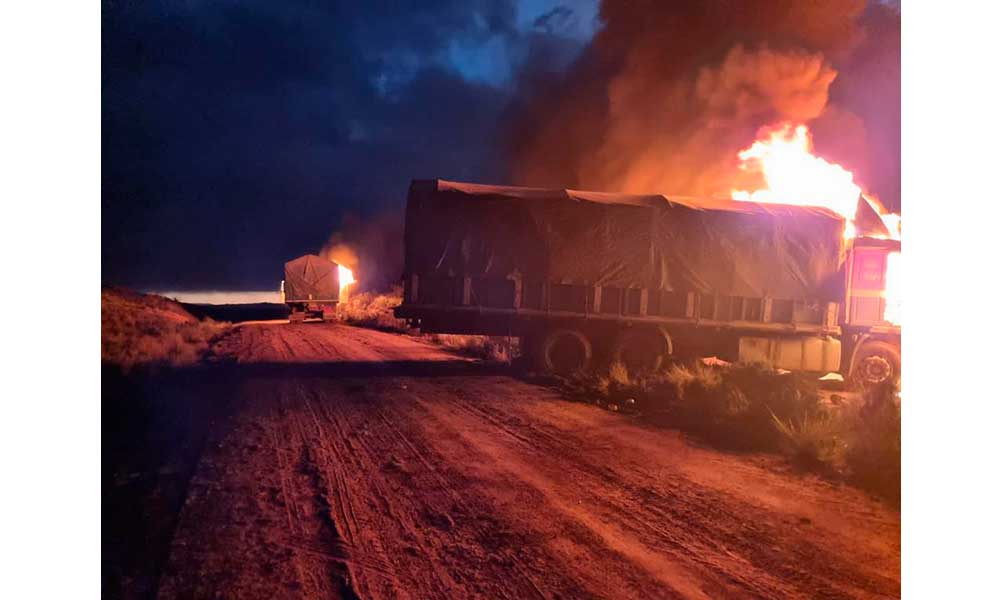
(412, 538)
(701, 526)
(389, 486)
(257, 519)
(479, 519)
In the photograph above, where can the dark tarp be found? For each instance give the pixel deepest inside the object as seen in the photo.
(590, 238)
(311, 278)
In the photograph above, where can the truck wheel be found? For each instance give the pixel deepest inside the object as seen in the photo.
(641, 351)
(564, 352)
(296, 317)
(876, 363)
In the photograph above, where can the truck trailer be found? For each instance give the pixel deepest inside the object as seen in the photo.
(589, 278)
(311, 288)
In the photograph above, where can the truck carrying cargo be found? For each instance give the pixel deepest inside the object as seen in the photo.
(311, 288)
(585, 278)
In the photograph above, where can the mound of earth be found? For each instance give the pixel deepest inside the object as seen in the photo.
(140, 329)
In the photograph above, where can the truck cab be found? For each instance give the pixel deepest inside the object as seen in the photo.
(870, 323)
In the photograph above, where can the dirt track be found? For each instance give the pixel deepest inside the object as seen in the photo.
(365, 464)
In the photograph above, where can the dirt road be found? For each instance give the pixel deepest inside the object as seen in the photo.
(371, 465)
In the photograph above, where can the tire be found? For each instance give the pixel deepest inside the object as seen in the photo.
(642, 351)
(565, 352)
(876, 363)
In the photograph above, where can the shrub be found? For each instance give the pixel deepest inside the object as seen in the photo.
(737, 404)
(814, 440)
(373, 310)
(697, 376)
(497, 349)
(874, 443)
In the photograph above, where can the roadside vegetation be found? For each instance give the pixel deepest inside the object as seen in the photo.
(750, 408)
(374, 310)
(147, 330)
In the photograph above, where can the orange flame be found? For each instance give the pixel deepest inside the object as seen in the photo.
(794, 175)
(346, 279)
(346, 275)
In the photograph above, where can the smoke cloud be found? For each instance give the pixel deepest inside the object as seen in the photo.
(371, 247)
(669, 93)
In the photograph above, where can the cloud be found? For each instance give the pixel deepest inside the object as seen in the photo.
(237, 134)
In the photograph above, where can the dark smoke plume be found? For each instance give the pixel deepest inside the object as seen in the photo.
(669, 92)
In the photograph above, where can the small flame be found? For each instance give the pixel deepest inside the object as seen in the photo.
(794, 175)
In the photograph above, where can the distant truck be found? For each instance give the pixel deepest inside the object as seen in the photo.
(587, 278)
(311, 288)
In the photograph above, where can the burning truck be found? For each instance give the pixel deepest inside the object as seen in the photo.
(589, 278)
(313, 286)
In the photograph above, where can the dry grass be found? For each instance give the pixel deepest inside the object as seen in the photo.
(862, 443)
(815, 440)
(874, 441)
(374, 311)
(141, 329)
(752, 408)
(618, 375)
(494, 349)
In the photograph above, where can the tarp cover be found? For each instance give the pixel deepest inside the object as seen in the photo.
(623, 240)
(311, 278)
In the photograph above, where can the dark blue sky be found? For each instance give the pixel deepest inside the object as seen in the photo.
(238, 134)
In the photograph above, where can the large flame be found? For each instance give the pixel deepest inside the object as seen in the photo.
(794, 175)
(346, 279)
(346, 275)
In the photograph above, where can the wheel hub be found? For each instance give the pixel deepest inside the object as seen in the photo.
(875, 369)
